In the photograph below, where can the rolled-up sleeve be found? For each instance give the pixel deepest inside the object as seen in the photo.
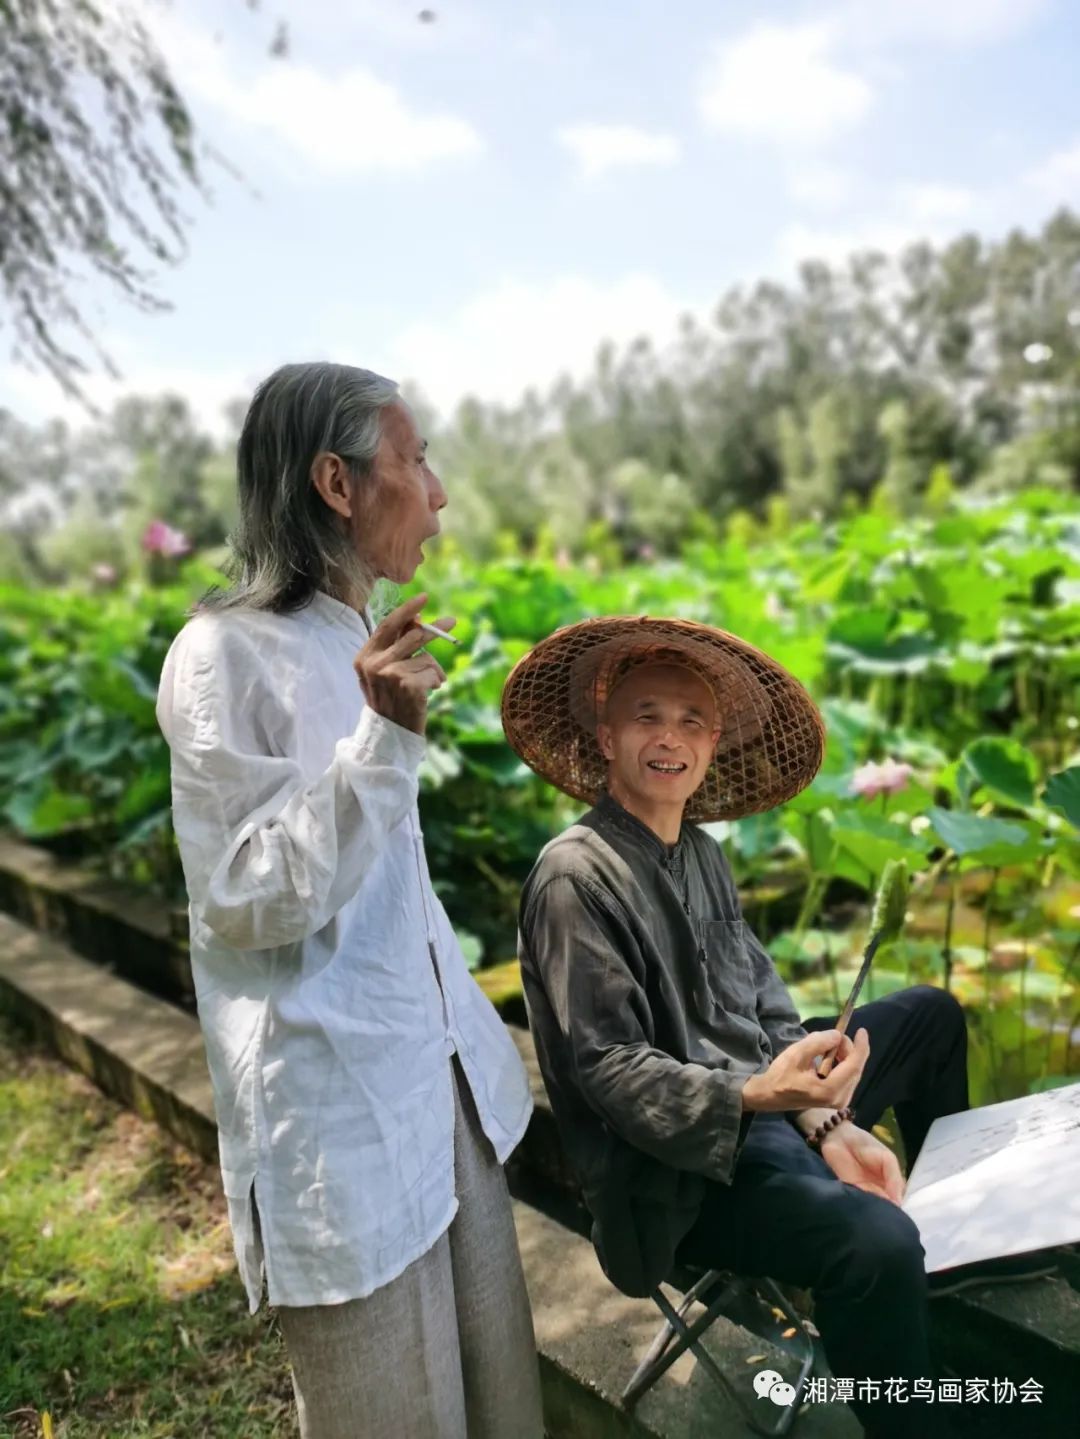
(683, 1114)
(269, 856)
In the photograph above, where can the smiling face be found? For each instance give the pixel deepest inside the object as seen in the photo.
(659, 735)
(407, 496)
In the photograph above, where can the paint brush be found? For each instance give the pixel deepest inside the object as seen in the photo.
(886, 922)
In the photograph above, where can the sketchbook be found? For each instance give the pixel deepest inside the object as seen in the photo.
(999, 1180)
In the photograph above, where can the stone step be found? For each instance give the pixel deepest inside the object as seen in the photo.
(590, 1338)
(128, 935)
(998, 1332)
(134, 933)
(125, 930)
(136, 1047)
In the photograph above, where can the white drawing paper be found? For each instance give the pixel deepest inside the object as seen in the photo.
(999, 1180)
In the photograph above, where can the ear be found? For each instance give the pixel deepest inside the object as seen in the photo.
(330, 476)
(717, 732)
(603, 739)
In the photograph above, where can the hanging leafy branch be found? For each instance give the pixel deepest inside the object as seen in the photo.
(97, 148)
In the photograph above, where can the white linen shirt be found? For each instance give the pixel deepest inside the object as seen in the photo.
(331, 989)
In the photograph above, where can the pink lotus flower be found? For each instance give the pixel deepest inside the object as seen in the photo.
(161, 539)
(872, 779)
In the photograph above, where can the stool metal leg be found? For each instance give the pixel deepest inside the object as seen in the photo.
(666, 1347)
(806, 1368)
(676, 1337)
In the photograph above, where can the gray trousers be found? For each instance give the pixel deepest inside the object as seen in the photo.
(446, 1350)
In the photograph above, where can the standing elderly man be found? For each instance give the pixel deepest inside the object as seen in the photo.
(684, 1085)
(367, 1093)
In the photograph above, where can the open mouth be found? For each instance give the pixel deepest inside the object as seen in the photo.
(667, 766)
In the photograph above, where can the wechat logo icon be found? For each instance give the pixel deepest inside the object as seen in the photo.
(768, 1383)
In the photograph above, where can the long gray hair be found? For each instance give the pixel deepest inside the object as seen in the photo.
(288, 542)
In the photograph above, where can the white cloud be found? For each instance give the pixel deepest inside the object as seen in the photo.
(1058, 176)
(518, 334)
(599, 148)
(823, 185)
(929, 201)
(893, 218)
(350, 123)
(36, 397)
(783, 83)
(938, 22)
(799, 241)
(802, 84)
(537, 37)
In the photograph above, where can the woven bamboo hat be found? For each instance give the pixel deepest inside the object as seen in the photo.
(772, 740)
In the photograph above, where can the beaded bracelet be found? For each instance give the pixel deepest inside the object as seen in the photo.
(837, 1117)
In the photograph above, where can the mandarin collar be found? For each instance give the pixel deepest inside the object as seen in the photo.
(612, 810)
(336, 612)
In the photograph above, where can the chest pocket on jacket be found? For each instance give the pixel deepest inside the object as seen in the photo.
(727, 966)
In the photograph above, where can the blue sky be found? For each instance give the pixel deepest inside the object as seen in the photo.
(475, 203)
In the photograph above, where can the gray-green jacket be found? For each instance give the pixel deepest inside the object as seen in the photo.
(651, 1002)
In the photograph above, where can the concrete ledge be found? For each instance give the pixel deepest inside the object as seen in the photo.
(134, 934)
(540, 1153)
(590, 1338)
(145, 1052)
(114, 925)
(127, 934)
(1018, 1332)
(149, 1054)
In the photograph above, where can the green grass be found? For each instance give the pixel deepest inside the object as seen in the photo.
(121, 1313)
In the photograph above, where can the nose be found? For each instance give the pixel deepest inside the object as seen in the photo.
(437, 497)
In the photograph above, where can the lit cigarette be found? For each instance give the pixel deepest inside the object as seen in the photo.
(435, 632)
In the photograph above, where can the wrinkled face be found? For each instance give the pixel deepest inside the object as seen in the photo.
(659, 734)
(407, 496)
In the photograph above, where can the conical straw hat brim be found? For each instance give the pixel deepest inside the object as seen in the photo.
(772, 740)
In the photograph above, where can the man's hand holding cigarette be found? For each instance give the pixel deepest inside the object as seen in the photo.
(395, 672)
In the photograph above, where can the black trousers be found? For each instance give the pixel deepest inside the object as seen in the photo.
(786, 1215)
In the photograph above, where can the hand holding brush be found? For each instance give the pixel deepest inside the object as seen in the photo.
(886, 923)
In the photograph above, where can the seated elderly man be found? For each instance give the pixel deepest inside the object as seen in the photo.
(685, 1088)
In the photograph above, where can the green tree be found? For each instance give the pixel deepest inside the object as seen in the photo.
(813, 457)
(74, 500)
(903, 478)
